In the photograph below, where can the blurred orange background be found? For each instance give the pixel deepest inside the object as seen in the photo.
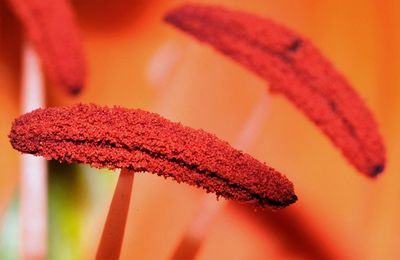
(138, 61)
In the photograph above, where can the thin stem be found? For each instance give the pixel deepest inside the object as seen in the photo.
(194, 235)
(33, 180)
(114, 228)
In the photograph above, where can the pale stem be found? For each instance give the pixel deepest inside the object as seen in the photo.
(33, 179)
(114, 228)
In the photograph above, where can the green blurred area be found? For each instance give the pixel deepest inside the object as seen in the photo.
(9, 231)
(73, 192)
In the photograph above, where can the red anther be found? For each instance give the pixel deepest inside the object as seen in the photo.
(294, 67)
(51, 28)
(142, 141)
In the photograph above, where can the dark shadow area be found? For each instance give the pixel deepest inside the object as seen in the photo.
(110, 16)
(10, 43)
(291, 229)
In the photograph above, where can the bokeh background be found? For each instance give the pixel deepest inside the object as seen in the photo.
(137, 61)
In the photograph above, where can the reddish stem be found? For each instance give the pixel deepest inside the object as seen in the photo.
(114, 228)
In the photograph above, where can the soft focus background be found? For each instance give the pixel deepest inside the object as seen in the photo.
(137, 61)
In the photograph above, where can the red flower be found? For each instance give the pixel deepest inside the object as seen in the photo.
(295, 68)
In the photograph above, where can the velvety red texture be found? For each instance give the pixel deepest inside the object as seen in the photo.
(51, 28)
(294, 67)
(142, 141)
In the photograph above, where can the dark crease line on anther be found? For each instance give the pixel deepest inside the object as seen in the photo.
(295, 44)
(182, 163)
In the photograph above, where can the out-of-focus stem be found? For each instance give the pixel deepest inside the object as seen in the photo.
(194, 235)
(33, 180)
(114, 228)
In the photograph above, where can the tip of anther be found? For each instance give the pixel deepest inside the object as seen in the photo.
(293, 199)
(377, 170)
(289, 201)
(75, 90)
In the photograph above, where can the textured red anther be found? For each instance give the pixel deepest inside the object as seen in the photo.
(294, 67)
(142, 141)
